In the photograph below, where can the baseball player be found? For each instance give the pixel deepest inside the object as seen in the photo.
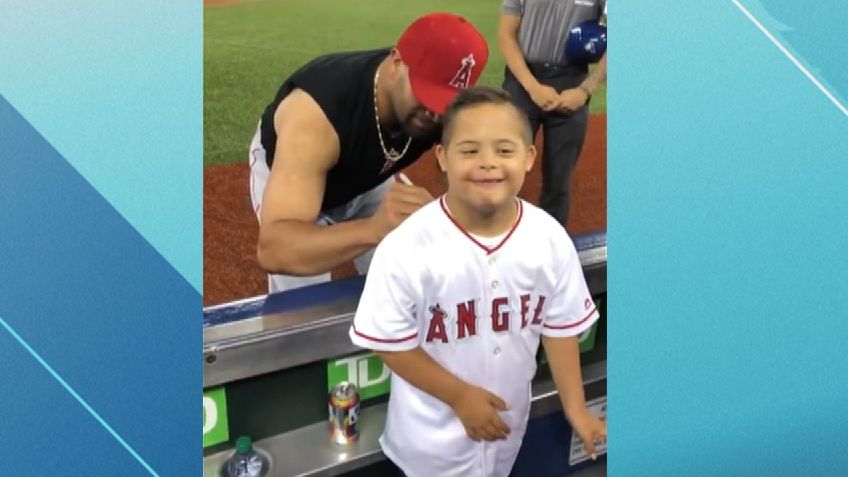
(337, 131)
(458, 297)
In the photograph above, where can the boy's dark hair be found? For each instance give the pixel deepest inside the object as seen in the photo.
(475, 96)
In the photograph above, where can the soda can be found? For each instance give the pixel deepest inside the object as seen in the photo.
(344, 413)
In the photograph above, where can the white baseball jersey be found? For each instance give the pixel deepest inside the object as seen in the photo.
(478, 309)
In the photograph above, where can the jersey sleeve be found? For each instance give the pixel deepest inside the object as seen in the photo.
(385, 317)
(572, 309)
(513, 7)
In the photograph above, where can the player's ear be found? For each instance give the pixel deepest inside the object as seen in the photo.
(531, 158)
(440, 156)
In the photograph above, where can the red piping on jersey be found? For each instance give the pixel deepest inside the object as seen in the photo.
(383, 340)
(572, 325)
(488, 250)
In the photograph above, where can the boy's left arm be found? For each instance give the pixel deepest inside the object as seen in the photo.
(564, 358)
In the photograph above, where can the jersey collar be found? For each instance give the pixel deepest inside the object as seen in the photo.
(488, 250)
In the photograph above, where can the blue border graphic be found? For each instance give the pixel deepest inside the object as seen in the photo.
(726, 224)
(100, 238)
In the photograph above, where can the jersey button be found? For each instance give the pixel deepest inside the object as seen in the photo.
(497, 350)
(492, 260)
(494, 284)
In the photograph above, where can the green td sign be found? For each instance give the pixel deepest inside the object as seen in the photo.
(215, 426)
(366, 371)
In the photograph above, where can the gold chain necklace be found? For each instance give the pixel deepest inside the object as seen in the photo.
(391, 155)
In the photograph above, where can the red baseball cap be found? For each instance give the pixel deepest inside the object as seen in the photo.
(444, 54)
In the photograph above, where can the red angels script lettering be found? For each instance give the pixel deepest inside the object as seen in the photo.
(537, 314)
(525, 307)
(437, 325)
(466, 319)
(500, 320)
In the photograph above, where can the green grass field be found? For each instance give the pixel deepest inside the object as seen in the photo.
(251, 47)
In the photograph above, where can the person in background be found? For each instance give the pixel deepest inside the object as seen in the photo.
(552, 88)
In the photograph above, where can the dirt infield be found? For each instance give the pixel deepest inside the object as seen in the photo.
(230, 229)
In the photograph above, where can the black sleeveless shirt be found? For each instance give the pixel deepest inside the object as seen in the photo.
(343, 86)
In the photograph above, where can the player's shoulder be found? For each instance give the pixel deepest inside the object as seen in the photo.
(344, 62)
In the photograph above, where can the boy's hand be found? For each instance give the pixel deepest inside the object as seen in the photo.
(477, 409)
(589, 428)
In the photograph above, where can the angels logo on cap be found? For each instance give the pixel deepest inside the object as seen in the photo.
(445, 53)
(463, 75)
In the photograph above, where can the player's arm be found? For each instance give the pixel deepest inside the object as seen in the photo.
(475, 407)
(289, 240)
(510, 20)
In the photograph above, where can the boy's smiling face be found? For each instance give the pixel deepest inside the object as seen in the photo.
(486, 157)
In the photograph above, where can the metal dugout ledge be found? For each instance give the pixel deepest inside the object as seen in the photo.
(270, 354)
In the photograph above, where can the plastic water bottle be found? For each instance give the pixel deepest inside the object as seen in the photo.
(246, 462)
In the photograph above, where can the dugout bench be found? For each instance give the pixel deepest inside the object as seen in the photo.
(269, 362)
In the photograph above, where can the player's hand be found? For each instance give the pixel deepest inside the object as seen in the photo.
(400, 202)
(572, 99)
(589, 428)
(477, 409)
(545, 97)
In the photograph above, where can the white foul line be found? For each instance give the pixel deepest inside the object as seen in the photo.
(791, 58)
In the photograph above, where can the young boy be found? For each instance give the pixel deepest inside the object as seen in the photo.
(457, 299)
